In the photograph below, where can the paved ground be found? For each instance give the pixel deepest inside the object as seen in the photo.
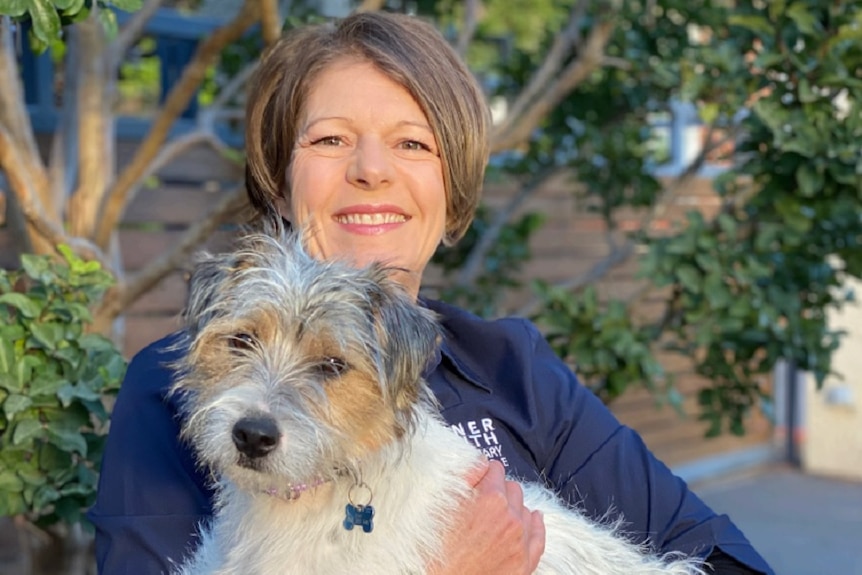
(801, 524)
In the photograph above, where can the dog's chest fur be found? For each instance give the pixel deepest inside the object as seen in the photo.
(415, 491)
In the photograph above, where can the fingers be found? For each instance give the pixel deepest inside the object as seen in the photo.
(515, 497)
(535, 540)
(478, 473)
(499, 523)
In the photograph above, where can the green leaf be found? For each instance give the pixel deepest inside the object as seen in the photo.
(709, 112)
(25, 431)
(48, 334)
(108, 18)
(810, 180)
(804, 19)
(69, 392)
(44, 496)
(67, 440)
(66, 5)
(689, 277)
(51, 458)
(94, 343)
(11, 502)
(46, 22)
(14, 8)
(7, 355)
(9, 481)
(46, 384)
(22, 303)
(24, 368)
(16, 403)
(757, 24)
(31, 476)
(127, 5)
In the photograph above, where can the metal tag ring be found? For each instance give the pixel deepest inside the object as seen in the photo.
(352, 491)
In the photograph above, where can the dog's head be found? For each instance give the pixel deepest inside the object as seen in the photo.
(297, 369)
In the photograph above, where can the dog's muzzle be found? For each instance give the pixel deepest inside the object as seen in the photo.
(255, 436)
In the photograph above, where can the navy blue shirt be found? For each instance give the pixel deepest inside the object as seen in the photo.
(499, 385)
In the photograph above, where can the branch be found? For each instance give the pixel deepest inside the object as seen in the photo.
(145, 279)
(130, 33)
(176, 102)
(471, 20)
(563, 42)
(473, 265)
(63, 164)
(370, 5)
(30, 207)
(232, 87)
(270, 21)
(176, 148)
(620, 254)
(616, 257)
(95, 133)
(13, 113)
(519, 130)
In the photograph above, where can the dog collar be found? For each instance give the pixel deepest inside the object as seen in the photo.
(293, 491)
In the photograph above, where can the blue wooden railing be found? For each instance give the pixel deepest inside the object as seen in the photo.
(176, 37)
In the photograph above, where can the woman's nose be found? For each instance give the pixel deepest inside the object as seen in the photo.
(371, 165)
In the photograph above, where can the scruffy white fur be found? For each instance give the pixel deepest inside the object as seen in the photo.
(416, 475)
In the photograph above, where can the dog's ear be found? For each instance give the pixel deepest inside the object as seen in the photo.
(206, 276)
(408, 337)
(206, 286)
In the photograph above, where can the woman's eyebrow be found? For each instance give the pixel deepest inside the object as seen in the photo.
(400, 124)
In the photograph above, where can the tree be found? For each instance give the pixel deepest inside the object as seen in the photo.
(582, 81)
(743, 288)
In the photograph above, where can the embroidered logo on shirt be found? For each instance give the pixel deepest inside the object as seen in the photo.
(482, 434)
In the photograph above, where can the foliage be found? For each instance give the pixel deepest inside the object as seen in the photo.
(755, 284)
(608, 350)
(54, 380)
(48, 17)
(500, 267)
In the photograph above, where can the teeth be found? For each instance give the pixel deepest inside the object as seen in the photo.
(371, 219)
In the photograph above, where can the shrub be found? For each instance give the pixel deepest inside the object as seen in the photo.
(55, 382)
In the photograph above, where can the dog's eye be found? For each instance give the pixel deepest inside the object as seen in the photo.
(241, 340)
(332, 367)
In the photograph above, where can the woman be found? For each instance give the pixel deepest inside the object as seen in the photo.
(373, 136)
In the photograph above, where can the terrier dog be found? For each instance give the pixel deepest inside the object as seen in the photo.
(303, 396)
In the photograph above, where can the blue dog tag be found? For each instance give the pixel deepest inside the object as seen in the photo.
(362, 515)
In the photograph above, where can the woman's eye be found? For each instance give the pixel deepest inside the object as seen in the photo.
(241, 340)
(332, 367)
(328, 141)
(415, 145)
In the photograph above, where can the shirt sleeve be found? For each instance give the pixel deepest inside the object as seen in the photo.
(150, 498)
(604, 467)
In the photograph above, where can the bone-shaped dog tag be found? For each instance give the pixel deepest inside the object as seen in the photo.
(362, 515)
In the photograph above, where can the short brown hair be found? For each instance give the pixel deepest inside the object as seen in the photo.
(409, 51)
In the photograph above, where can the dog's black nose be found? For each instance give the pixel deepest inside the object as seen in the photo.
(255, 436)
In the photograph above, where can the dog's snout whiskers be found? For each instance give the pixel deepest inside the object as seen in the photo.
(255, 436)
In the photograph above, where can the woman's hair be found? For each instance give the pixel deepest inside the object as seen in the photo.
(410, 52)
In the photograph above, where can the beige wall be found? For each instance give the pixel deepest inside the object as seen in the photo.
(833, 436)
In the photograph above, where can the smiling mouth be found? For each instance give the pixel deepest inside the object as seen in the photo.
(371, 219)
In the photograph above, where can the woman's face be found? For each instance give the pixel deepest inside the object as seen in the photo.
(366, 179)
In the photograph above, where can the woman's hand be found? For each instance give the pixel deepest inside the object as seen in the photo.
(493, 532)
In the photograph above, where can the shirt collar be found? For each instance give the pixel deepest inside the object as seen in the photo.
(452, 352)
